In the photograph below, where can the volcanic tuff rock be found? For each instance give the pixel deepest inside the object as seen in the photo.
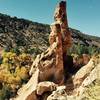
(86, 76)
(49, 67)
(59, 94)
(60, 41)
(45, 87)
(28, 90)
(50, 63)
(82, 79)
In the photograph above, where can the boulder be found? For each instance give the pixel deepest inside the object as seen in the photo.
(32, 96)
(89, 74)
(28, 90)
(86, 58)
(59, 94)
(85, 71)
(44, 87)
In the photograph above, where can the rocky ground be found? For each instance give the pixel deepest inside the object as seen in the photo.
(85, 85)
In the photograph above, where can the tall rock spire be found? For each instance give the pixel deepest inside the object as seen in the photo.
(60, 16)
(61, 35)
(49, 66)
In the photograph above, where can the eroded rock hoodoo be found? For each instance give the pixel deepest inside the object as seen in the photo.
(49, 70)
(50, 65)
(52, 62)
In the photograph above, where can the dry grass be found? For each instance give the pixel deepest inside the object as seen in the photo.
(92, 92)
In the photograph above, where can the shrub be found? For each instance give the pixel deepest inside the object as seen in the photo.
(14, 71)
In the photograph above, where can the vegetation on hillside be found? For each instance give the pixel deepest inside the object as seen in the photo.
(14, 70)
(82, 49)
(21, 33)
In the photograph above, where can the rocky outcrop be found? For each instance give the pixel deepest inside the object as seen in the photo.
(60, 17)
(50, 64)
(62, 36)
(29, 89)
(35, 91)
(59, 94)
(85, 71)
(52, 61)
(86, 76)
(56, 30)
(43, 87)
(49, 69)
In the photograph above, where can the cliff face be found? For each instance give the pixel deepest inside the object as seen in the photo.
(23, 33)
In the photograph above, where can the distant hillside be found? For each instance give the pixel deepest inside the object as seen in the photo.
(23, 33)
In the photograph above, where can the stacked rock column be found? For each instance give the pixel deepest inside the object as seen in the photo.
(60, 33)
(56, 36)
(60, 16)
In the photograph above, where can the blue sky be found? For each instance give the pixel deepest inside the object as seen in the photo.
(83, 15)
